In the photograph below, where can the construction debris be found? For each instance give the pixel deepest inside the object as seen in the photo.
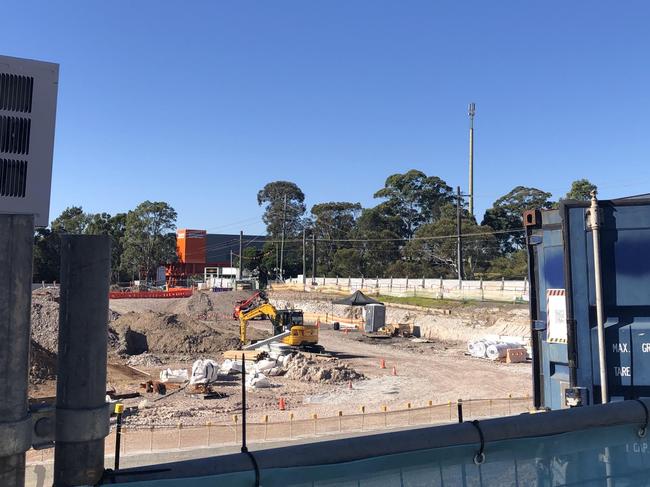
(177, 376)
(145, 359)
(300, 367)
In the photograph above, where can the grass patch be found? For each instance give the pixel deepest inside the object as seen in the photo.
(423, 301)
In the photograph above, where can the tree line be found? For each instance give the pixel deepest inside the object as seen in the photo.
(142, 239)
(410, 232)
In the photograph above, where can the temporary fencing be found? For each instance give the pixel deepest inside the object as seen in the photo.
(174, 293)
(179, 436)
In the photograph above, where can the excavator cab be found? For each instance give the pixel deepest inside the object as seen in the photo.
(287, 319)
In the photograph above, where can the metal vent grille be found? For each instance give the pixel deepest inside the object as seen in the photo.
(14, 135)
(13, 178)
(16, 92)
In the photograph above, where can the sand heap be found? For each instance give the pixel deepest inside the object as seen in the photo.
(45, 318)
(163, 333)
(211, 306)
(300, 367)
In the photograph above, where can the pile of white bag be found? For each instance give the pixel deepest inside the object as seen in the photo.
(204, 371)
(491, 348)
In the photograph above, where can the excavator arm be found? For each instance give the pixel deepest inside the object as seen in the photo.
(266, 309)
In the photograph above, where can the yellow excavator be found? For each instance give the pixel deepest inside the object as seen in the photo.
(285, 320)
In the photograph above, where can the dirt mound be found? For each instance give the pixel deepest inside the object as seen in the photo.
(330, 372)
(207, 305)
(163, 333)
(42, 364)
(45, 318)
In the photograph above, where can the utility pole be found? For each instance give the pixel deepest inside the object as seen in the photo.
(304, 257)
(471, 110)
(459, 245)
(284, 218)
(241, 252)
(313, 256)
(230, 257)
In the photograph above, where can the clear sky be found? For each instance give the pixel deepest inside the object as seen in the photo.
(200, 103)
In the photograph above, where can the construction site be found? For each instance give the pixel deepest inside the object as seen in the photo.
(425, 360)
(175, 310)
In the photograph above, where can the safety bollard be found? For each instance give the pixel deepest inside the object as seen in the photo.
(119, 410)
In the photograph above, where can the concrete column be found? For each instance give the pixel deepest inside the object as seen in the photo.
(16, 246)
(82, 418)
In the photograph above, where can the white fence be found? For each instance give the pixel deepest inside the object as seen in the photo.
(437, 288)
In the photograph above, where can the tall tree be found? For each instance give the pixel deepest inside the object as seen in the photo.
(581, 190)
(415, 198)
(47, 255)
(272, 197)
(72, 220)
(149, 238)
(377, 240)
(333, 222)
(506, 215)
(434, 246)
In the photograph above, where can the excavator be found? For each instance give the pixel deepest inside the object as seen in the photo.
(300, 335)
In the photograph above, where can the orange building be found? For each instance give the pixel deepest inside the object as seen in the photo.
(190, 246)
(196, 250)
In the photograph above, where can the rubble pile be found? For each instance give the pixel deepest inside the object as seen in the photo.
(42, 364)
(145, 359)
(300, 367)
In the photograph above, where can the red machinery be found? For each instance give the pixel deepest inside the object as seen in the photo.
(255, 300)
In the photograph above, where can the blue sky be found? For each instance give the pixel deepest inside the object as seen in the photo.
(201, 103)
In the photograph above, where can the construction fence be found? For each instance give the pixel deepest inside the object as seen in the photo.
(454, 289)
(144, 439)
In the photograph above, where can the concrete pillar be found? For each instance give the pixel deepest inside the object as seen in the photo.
(82, 417)
(16, 247)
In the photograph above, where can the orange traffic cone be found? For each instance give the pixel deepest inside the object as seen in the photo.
(282, 405)
(394, 370)
(382, 364)
(350, 385)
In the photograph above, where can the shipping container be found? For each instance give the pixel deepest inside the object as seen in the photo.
(563, 304)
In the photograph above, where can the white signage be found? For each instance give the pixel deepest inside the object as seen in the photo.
(556, 316)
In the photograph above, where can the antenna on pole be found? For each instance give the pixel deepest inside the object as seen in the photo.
(471, 111)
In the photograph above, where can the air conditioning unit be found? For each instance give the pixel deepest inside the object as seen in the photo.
(28, 91)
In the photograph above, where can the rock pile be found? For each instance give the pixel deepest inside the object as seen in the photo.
(300, 367)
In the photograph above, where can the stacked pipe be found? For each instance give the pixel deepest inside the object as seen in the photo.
(490, 349)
